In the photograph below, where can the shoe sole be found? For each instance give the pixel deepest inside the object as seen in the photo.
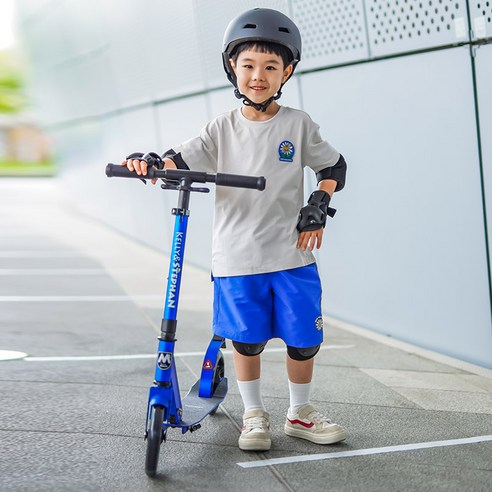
(257, 445)
(317, 439)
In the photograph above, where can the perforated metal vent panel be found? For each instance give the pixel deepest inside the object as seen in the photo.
(332, 31)
(406, 25)
(481, 18)
(212, 18)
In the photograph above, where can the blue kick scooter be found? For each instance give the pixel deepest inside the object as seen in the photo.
(165, 409)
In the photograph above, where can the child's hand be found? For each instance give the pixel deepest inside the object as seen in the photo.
(310, 239)
(140, 167)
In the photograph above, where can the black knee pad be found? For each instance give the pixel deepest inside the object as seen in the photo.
(302, 353)
(249, 349)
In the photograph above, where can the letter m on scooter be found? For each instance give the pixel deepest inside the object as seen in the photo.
(164, 360)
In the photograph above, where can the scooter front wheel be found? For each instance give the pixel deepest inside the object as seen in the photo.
(155, 436)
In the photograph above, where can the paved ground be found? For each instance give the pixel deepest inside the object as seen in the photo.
(70, 287)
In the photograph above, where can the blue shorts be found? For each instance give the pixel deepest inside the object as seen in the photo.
(256, 308)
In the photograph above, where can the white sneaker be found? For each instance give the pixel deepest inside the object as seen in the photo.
(309, 424)
(255, 434)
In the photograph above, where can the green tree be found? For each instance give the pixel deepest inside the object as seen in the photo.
(12, 97)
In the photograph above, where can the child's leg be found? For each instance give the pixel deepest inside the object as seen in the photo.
(298, 322)
(248, 367)
(300, 373)
(248, 370)
(243, 304)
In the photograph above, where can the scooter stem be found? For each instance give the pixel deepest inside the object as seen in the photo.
(168, 325)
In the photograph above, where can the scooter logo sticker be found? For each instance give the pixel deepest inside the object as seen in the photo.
(164, 360)
(319, 322)
(174, 276)
(208, 364)
(286, 151)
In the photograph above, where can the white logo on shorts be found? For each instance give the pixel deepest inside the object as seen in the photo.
(319, 322)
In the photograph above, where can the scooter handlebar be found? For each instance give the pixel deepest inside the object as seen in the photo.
(220, 179)
(238, 181)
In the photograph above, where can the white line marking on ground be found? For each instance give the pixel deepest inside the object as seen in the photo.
(365, 452)
(82, 358)
(11, 355)
(80, 298)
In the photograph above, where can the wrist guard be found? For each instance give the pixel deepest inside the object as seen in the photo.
(313, 215)
(151, 158)
(135, 155)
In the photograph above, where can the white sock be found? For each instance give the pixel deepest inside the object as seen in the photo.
(299, 396)
(251, 395)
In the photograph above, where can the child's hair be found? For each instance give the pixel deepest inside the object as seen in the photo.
(263, 47)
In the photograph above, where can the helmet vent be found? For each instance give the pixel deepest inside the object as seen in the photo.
(284, 29)
(249, 26)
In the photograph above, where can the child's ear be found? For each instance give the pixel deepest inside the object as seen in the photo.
(233, 65)
(287, 73)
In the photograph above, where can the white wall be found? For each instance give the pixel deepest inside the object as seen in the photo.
(407, 254)
(410, 231)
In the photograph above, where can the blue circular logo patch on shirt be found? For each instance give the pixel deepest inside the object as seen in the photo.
(286, 151)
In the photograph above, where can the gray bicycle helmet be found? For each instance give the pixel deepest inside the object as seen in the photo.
(260, 25)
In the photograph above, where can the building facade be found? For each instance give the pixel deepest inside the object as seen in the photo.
(398, 86)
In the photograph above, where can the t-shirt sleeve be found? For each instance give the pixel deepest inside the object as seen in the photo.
(317, 153)
(200, 153)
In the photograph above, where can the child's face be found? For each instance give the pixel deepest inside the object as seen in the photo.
(259, 75)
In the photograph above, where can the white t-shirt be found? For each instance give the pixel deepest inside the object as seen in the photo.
(255, 231)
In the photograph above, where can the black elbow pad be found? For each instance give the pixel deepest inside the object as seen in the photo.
(336, 172)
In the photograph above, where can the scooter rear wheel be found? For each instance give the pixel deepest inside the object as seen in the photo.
(219, 372)
(155, 436)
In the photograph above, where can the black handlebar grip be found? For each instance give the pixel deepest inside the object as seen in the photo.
(238, 181)
(123, 172)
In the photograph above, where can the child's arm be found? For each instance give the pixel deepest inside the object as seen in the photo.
(312, 239)
(328, 185)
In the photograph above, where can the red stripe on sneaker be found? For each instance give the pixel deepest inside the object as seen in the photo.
(301, 422)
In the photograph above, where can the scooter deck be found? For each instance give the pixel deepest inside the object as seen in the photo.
(196, 408)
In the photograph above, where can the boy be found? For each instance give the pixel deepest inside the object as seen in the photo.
(266, 284)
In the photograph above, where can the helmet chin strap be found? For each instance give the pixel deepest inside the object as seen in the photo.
(261, 106)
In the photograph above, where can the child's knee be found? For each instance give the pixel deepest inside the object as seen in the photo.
(249, 349)
(302, 354)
